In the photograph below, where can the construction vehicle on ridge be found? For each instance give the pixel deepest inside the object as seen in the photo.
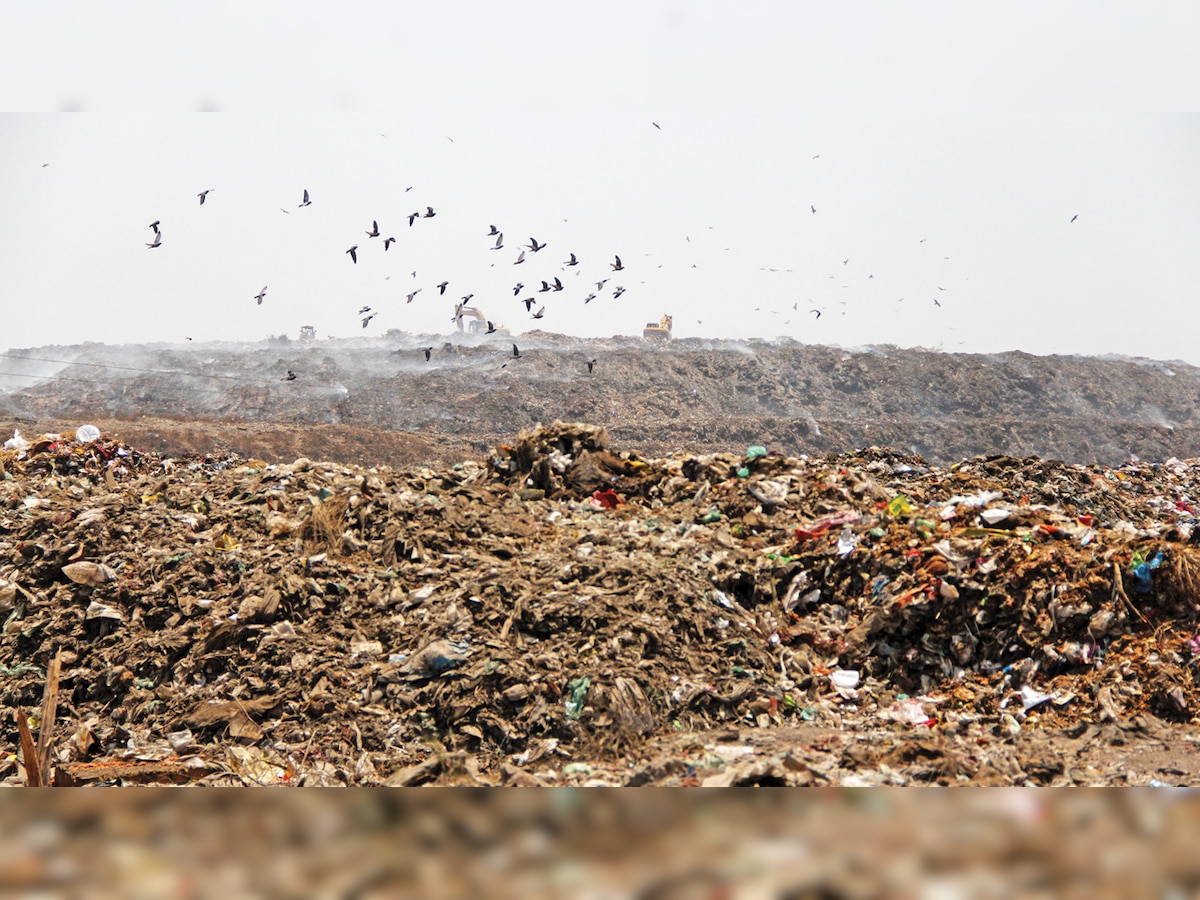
(660, 331)
(477, 322)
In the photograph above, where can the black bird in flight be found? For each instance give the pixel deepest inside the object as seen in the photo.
(429, 213)
(541, 312)
(363, 310)
(157, 239)
(491, 329)
(517, 289)
(499, 240)
(388, 241)
(600, 284)
(204, 194)
(520, 258)
(813, 208)
(534, 245)
(428, 350)
(306, 201)
(374, 232)
(528, 301)
(367, 319)
(493, 231)
(259, 296)
(467, 299)
(572, 261)
(616, 266)
(412, 217)
(291, 376)
(591, 362)
(659, 127)
(935, 302)
(545, 287)
(817, 311)
(617, 292)
(155, 224)
(588, 299)
(558, 285)
(412, 295)
(442, 287)
(516, 352)
(1073, 218)
(353, 251)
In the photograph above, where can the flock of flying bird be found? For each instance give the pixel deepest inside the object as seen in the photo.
(366, 313)
(551, 284)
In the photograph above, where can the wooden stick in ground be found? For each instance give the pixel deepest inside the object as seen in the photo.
(49, 714)
(29, 757)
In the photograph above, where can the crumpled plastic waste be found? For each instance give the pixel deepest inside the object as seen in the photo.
(1143, 579)
(606, 499)
(847, 541)
(432, 659)
(16, 442)
(845, 679)
(577, 692)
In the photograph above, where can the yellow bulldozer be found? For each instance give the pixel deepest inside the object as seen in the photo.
(660, 331)
(476, 322)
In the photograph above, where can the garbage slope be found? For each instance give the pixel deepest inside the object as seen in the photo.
(561, 601)
(704, 395)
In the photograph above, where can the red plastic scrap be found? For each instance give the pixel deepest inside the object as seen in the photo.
(606, 499)
(823, 524)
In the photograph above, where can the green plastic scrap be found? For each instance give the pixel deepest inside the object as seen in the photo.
(713, 515)
(742, 472)
(22, 669)
(900, 506)
(755, 452)
(576, 695)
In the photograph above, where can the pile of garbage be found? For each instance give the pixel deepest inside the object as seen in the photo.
(221, 620)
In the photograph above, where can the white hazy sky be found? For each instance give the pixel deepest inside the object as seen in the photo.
(944, 146)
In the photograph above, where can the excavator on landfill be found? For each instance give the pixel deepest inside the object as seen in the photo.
(477, 322)
(658, 332)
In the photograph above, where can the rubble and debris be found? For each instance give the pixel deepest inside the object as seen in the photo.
(560, 611)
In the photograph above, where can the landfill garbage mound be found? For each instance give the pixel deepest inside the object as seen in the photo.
(562, 611)
(706, 395)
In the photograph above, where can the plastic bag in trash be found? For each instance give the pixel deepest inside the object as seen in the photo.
(16, 442)
(85, 434)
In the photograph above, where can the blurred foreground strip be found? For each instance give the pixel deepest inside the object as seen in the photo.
(594, 844)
